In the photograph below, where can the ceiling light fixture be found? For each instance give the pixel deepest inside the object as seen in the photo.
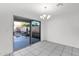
(45, 16)
(46, 9)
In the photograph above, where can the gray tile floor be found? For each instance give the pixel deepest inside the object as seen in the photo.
(46, 48)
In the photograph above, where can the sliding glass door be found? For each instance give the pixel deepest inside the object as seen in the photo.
(26, 32)
(35, 31)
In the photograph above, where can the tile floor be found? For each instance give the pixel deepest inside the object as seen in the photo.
(46, 48)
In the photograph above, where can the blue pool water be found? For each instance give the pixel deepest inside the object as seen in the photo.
(20, 42)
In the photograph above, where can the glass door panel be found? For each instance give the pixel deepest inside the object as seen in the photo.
(35, 29)
(21, 34)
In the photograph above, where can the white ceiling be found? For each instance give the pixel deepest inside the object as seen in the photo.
(37, 9)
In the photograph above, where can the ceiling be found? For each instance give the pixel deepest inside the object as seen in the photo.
(37, 9)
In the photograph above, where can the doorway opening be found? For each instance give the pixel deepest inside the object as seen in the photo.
(26, 32)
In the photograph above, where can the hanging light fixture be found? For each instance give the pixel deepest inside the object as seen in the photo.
(45, 16)
(46, 8)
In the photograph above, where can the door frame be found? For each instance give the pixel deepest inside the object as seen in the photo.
(23, 19)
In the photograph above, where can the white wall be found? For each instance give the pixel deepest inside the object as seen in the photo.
(5, 33)
(64, 29)
(6, 25)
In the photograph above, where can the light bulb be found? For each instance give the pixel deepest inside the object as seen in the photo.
(44, 15)
(48, 16)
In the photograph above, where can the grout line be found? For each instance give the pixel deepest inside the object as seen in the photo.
(40, 51)
(62, 51)
(53, 50)
(72, 51)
